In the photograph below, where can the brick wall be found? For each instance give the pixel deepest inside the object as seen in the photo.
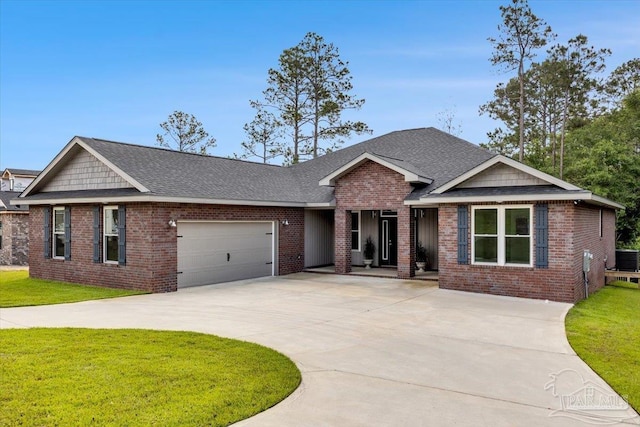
(15, 238)
(372, 186)
(571, 230)
(152, 244)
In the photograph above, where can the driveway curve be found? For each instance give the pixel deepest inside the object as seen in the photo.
(380, 351)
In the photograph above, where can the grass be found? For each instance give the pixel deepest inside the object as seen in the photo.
(604, 330)
(17, 289)
(133, 377)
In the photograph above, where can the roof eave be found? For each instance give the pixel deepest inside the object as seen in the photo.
(585, 196)
(163, 199)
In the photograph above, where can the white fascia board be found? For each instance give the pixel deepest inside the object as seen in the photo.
(329, 180)
(509, 162)
(113, 167)
(584, 196)
(151, 198)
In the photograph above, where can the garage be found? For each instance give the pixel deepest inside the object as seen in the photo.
(215, 252)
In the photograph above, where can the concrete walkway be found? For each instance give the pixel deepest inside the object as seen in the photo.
(382, 352)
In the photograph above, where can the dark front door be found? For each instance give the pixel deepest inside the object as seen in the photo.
(388, 241)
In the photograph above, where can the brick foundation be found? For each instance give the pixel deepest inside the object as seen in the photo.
(152, 245)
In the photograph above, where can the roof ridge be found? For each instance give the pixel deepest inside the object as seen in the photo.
(176, 151)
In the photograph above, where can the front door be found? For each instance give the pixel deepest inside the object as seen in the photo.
(388, 241)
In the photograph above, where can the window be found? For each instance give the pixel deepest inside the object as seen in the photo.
(600, 224)
(502, 235)
(110, 234)
(355, 231)
(58, 232)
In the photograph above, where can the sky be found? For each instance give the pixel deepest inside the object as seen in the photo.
(116, 69)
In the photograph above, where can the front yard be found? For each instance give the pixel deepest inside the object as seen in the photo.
(17, 289)
(79, 377)
(604, 330)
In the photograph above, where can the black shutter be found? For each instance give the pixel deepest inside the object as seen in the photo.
(47, 232)
(463, 234)
(67, 233)
(122, 235)
(97, 233)
(542, 236)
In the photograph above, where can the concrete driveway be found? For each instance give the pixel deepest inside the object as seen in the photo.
(380, 351)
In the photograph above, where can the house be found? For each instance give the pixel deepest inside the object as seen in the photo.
(14, 220)
(17, 179)
(131, 216)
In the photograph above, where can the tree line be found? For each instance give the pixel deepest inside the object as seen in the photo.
(564, 115)
(559, 112)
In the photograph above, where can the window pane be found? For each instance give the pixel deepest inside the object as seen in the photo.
(486, 249)
(112, 248)
(59, 245)
(355, 240)
(58, 221)
(518, 250)
(517, 222)
(486, 221)
(354, 221)
(111, 221)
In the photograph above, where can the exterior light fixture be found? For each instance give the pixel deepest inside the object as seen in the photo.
(285, 222)
(172, 223)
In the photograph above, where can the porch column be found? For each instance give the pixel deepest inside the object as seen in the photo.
(406, 243)
(343, 241)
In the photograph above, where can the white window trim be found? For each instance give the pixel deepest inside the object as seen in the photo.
(359, 231)
(105, 235)
(54, 233)
(501, 235)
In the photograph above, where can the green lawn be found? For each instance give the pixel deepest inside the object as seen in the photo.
(604, 330)
(132, 377)
(18, 289)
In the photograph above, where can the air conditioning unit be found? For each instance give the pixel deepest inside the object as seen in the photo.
(627, 259)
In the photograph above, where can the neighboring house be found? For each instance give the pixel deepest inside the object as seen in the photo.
(14, 220)
(14, 231)
(130, 216)
(17, 179)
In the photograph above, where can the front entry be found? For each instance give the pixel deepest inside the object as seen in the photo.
(388, 241)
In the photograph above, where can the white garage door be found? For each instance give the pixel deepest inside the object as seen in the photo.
(214, 252)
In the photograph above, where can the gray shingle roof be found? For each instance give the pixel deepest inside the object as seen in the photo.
(29, 172)
(427, 152)
(6, 197)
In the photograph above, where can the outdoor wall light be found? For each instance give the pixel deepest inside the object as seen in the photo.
(172, 223)
(285, 222)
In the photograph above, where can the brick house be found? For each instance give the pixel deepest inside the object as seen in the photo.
(123, 215)
(14, 220)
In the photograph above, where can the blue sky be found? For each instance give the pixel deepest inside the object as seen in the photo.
(116, 69)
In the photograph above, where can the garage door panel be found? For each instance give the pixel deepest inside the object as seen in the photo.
(225, 251)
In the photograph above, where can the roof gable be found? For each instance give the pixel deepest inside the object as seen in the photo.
(79, 167)
(410, 173)
(503, 171)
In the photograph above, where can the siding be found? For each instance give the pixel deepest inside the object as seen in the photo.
(428, 234)
(501, 175)
(318, 237)
(85, 172)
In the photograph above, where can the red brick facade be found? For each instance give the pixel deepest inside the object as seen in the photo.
(372, 186)
(151, 247)
(572, 229)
